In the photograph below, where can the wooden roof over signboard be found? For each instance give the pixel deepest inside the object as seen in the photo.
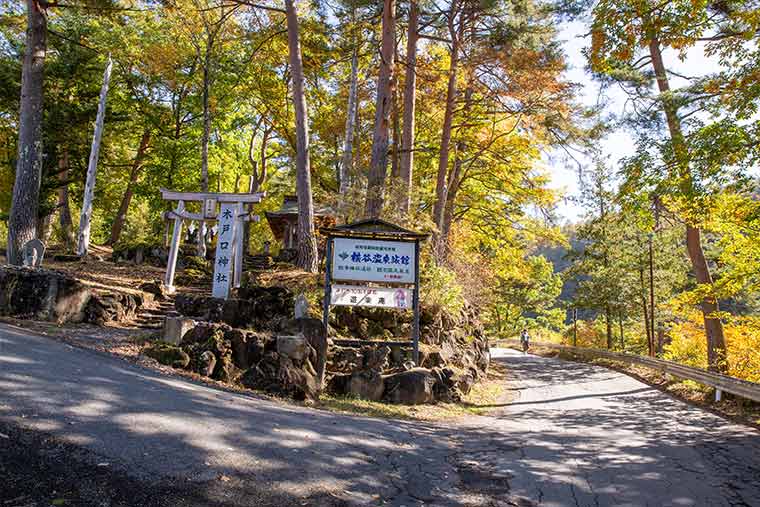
(373, 228)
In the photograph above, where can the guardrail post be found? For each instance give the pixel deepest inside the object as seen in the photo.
(718, 395)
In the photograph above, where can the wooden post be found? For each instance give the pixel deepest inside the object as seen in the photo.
(575, 327)
(328, 286)
(85, 220)
(416, 304)
(171, 263)
(651, 293)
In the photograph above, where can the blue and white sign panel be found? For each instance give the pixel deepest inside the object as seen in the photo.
(371, 260)
(378, 297)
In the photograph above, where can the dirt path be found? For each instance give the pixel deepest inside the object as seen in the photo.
(576, 435)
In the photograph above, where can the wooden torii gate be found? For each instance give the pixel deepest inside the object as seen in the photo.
(231, 217)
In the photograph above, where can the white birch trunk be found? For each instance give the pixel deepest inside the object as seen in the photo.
(85, 220)
(348, 142)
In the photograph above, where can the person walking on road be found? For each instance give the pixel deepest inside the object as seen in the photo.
(525, 341)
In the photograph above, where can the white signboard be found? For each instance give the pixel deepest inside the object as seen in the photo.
(382, 297)
(372, 260)
(224, 248)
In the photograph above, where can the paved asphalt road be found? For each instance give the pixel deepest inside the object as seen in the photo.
(575, 435)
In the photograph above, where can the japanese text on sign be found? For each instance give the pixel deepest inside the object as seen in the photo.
(383, 297)
(373, 260)
(224, 242)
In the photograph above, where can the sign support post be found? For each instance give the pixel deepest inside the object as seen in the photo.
(416, 303)
(328, 285)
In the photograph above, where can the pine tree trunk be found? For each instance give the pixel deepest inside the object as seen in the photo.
(85, 219)
(126, 200)
(453, 185)
(716, 342)
(22, 220)
(441, 188)
(64, 210)
(410, 91)
(379, 161)
(396, 135)
(348, 141)
(306, 246)
(201, 247)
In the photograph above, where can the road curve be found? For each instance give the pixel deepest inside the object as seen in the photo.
(574, 434)
(582, 435)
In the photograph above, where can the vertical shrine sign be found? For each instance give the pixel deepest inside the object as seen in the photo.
(380, 261)
(234, 212)
(225, 246)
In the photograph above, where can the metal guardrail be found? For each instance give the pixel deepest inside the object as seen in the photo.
(735, 386)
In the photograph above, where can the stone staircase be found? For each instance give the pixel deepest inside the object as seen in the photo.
(259, 262)
(153, 318)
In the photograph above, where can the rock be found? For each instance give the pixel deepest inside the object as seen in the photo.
(261, 308)
(412, 387)
(175, 328)
(42, 294)
(156, 287)
(294, 347)
(200, 307)
(278, 374)
(367, 385)
(431, 359)
(208, 363)
(344, 359)
(33, 252)
(376, 358)
(299, 382)
(338, 384)
(154, 254)
(239, 342)
(258, 344)
(464, 382)
(203, 332)
(316, 336)
(301, 309)
(167, 354)
(112, 307)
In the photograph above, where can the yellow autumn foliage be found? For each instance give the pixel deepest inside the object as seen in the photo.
(688, 345)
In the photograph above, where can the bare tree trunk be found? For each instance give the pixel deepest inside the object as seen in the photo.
(716, 342)
(441, 188)
(85, 218)
(64, 211)
(126, 200)
(642, 294)
(22, 220)
(379, 161)
(348, 141)
(410, 92)
(306, 257)
(201, 247)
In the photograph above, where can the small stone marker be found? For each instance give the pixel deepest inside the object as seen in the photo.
(301, 309)
(33, 251)
(175, 328)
